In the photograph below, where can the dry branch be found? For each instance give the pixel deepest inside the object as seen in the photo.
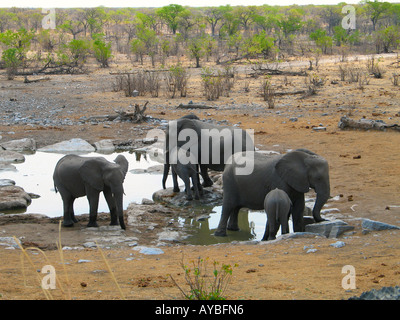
(365, 124)
(194, 106)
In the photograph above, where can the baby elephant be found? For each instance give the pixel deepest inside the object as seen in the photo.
(186, 172)
(278, 206)
(76, 176)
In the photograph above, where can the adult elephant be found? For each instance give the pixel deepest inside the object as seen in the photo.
(75, 176)
(295, 173)
(211, 144)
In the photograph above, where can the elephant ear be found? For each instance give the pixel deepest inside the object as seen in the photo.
(293, 170)
(91, 173)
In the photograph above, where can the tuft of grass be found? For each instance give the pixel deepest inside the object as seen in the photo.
(205, 286)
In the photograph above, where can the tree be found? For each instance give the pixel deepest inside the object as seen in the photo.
(72, 26)
(102, 50)
(17, 45)
(213, 15)
(196, 48)
(387, 38)
(147, 41)
(376, 10)
(322, 40)
(169, 14)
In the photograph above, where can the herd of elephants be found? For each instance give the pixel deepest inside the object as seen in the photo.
(275, 183)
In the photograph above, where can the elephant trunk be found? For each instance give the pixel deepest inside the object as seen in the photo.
(120, 208)
(322, 198)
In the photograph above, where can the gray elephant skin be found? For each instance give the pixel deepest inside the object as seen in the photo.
(277, 206)
(294, 172)
(186, 172)
(75, 176)
(213, 135)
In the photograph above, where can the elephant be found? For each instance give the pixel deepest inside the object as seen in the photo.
(277, 206)
(186, 172)
(75, 176)
(294, 172)
(212, 144)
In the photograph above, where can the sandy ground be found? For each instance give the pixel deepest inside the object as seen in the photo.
(364, 170)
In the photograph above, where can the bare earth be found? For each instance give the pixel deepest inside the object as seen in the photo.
(364, 171)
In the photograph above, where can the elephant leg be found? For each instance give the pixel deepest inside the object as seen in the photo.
(207, 182)
(227, 208)
(297, 214)
(175, 181)
(68, 201)
(195, 183)
(71, 212)
(93, 198)
(233, 224)
(112, 206)
(188, 190)
(266, 232)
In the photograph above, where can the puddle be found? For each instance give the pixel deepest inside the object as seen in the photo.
(251, 223)
(35, 175)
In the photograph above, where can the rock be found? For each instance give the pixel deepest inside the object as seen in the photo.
(148, 250)
(385, 293)
(376, 225)
(7, 167)
(6, 182)
(21, 145)
(84, 261)
(7, 156)
(338, 244)
(13, 197)
(329, 229)
(104, 146)
(211, 196)
(147, 201)
(73, 145)
(8, 242)
(319, 129)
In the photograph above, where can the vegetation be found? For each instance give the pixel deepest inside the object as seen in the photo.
(163, 35)
(205, 286)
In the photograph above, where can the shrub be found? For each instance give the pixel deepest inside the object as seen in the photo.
(177, 80)
(102, 50)
(204, 286)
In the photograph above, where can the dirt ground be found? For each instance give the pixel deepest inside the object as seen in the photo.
(364, 171)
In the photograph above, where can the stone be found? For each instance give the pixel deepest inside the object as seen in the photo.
(6, 182)
(7, 156)
(148, 250)
(105, 146)
(376, 225)
(13, 198)
(338, 244)
(21, 145)
(73, 145)
(385, 293)
(329, 229)
(211, 196)
(7, 167)
(8, 242)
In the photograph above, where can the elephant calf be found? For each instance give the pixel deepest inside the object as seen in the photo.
(277, 205)
(185, 172)
(76, 176)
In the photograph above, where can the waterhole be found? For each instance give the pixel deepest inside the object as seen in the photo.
(35, 175)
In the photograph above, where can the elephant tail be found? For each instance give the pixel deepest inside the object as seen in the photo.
(165, 175)
(55, 188)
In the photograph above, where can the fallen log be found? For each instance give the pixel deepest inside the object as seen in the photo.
(194, 106)
(135, 117)
(366, 124)
(26, 80)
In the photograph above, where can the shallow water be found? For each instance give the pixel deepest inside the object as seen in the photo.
(35, 175)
